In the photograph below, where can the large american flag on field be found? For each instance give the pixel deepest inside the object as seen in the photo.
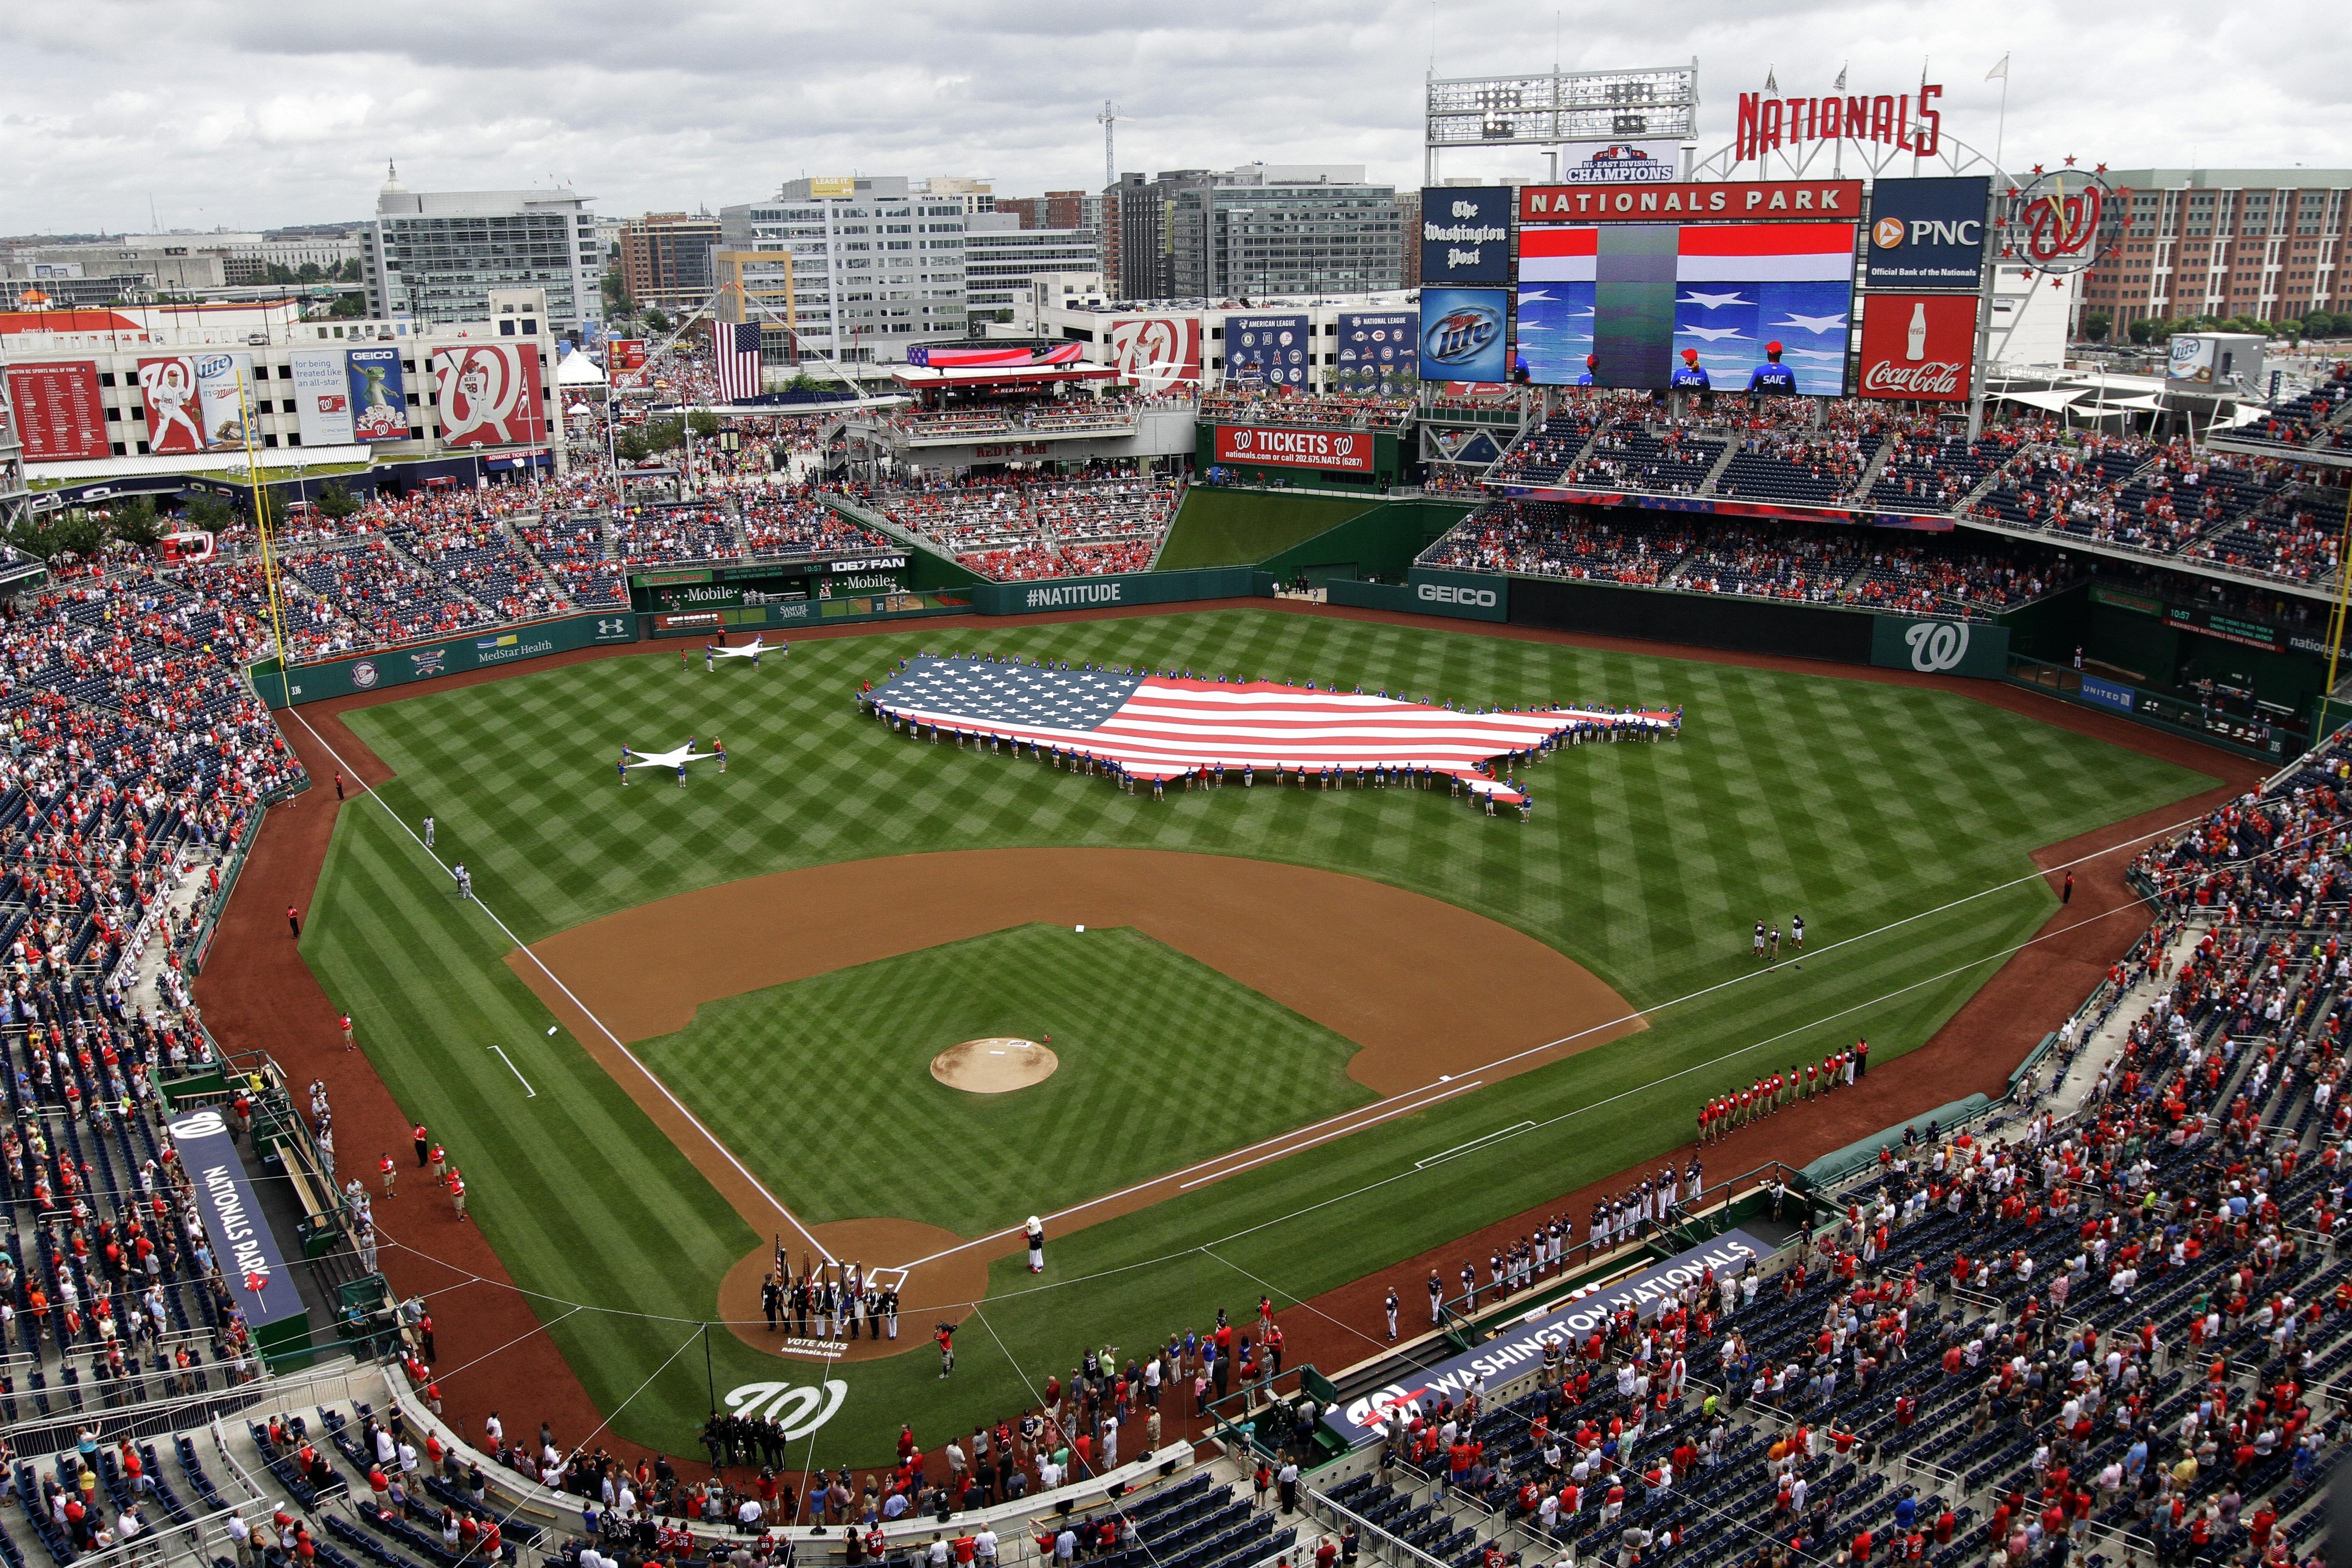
(736, 349)
(1163, 726)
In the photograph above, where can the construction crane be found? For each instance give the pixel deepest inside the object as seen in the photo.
(1108, 118)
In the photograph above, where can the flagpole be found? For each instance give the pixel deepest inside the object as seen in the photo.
(2000, 125)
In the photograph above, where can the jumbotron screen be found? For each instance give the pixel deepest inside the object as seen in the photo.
(1692, 305)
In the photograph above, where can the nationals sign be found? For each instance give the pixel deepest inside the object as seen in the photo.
(1348, 451)
(1918, 345)
(488, 395)
(1155, 354)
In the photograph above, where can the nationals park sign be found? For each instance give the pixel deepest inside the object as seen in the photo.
(1781, 200)
(1341, 451)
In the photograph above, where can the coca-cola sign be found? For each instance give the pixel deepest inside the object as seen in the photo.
(1918, 345)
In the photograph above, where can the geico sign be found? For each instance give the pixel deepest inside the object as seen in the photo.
(1443, 593)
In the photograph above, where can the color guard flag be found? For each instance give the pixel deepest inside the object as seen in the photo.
(1165, 726)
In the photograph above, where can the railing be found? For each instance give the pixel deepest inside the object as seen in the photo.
(1382, 1546)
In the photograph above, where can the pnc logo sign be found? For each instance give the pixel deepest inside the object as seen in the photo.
(1890, 232)
(1446, 594)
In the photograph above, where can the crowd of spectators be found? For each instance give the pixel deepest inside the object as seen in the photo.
(1332, 410)
(1023, 528)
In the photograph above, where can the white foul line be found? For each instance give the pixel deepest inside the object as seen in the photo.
(1444, 1154)
(528, 1092)
(675, 1104)
(1335, 1133)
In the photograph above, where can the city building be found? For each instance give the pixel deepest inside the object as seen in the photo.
(435, 256)
(1002, 255)
(666, 260)
(875, 266)
(2263, 243)
(1055, 209)
(1409, 214)
(757, 286)
(974, 195)
(1262, 228)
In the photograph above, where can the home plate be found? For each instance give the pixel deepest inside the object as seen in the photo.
(997, 1065)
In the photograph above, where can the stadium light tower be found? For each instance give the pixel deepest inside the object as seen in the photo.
(1109, 118)
(1550, 109)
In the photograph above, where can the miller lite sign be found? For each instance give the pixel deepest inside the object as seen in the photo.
(1918, 345)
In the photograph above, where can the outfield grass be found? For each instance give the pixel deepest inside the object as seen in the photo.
(1241, 528)
(1852, 803)
(1163, 1062)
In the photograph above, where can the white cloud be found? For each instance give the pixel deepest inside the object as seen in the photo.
(268, 111)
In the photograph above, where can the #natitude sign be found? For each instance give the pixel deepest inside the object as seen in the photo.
(60, 414)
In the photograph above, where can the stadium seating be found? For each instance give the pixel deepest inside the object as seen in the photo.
(1018, 530)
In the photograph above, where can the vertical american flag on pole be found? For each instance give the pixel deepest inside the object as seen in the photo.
(736, 346)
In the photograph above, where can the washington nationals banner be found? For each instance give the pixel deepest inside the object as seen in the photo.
(1939, 647)
(488, 395)
(1155, 354)
(1164, 727)
(174, 424)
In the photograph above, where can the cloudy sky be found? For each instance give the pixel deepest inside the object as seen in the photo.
(264, 113)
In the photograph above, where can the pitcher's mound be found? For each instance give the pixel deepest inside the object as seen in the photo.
(996, 1065)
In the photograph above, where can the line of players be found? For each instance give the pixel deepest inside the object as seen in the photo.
(1737, 1108)
(1614, 1221)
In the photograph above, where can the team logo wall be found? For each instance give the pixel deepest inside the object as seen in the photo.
(1340, 450)
(488, 395)
(379, 395)
(174, 416)
(1626, 164)
(60, 414)
(1938, 645)
(1918, 345)
(1376, 353)
(1462, 335)
(1153, 353)
(322, 397)
(1927, 233)
(1465, 235)
(1269, 351)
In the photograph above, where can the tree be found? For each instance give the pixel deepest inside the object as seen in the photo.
(633, 447)
(77, 534)
(210, 513)
(657, 321)
(2148, 329)
(349, 272)
(2291, 330)
(703, 425)
(134, 521)
(666, 435)
(617, 294)
(2096, 325)
(349, 307)
(335, 500)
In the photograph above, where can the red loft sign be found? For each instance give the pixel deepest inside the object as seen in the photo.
(1342, 450)
(1687, 201)
(1918, 345)
(1770, 124)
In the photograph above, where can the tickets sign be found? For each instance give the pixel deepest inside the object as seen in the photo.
(1344, 451)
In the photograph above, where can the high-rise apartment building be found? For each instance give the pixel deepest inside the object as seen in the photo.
(2263, 243)
(1262, 228)
(666, 259)
(876, 266)
(435, 256)
(1002, 255)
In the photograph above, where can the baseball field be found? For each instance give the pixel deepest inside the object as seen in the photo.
(1284, 1005)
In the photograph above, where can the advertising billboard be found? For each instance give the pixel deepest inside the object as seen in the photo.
(1269, 351)
(488, 395)
(322, 396)
(379, 394)
(1645, 302)
(1154, 353)
(1927, 233)
(1465, 233)
(1714, 201)
(224, 390)
(1462, 333)
(1376, 355)
(251, 1266)
(1918, 345)
(60, 416)
(1344, 451)
(174, 416)
(2215, 364)
(1623, 163)
(624, 361)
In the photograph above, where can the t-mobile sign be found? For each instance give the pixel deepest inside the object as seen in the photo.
(1918, 345)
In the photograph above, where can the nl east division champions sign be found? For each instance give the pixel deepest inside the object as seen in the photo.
(1342, 450)
(1918, 345)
